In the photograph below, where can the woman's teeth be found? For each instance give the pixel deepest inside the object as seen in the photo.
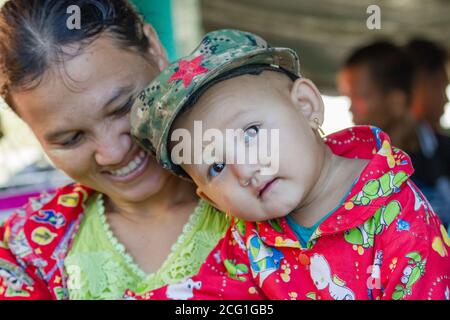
(131, 167)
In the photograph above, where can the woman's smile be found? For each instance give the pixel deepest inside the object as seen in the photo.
(132, 168)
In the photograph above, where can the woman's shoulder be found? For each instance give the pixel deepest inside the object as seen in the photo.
(45, 219)
(206, 225)
(209, 219)
(36, 237)
(48, 206)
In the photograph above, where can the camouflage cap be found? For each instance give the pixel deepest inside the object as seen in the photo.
(157, 107)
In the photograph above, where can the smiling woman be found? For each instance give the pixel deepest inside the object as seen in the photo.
(126, 222)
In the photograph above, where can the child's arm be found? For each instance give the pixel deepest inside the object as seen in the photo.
(416, 257)
(225, 275)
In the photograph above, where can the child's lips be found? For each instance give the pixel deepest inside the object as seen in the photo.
(266, 187)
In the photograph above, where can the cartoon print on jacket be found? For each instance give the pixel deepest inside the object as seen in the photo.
(382, 187)
(364, 234)
(322, 277)
(235, 271)
(411, 274)
(183, 290)
(263, 260)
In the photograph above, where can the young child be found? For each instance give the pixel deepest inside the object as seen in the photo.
(338, 219)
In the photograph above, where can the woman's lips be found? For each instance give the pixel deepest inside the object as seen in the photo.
(132, 175)
(267, 187)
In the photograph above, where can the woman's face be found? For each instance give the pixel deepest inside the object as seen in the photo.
(79, 113)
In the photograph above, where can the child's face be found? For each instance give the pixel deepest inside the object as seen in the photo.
(253, 103)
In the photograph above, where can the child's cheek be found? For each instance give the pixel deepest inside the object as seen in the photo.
(231, 200)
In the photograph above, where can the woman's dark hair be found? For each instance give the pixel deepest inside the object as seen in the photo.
(33, 33)
(389, 66)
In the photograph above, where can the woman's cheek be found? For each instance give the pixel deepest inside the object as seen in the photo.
(75, 163)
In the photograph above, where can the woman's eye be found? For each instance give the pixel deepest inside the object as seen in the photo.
(216, 169)
(124, 109)
(250, 133)
(73, 140)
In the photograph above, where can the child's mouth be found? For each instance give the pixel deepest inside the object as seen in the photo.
(267, 187)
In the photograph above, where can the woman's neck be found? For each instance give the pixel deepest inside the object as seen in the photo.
(174, 194)
(336, 177)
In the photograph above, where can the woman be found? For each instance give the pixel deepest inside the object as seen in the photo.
(126, 223)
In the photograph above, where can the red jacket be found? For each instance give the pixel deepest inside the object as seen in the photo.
(34, 242)
(383, 242)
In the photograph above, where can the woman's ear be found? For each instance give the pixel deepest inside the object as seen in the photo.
(155, 48)
(307, 99)
(205, 197)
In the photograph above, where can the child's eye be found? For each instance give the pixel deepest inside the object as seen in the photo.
(216, 169)
(250, 133)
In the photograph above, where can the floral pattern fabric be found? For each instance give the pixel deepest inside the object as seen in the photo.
(37, 260)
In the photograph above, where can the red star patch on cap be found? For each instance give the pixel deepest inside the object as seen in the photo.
(188, 70)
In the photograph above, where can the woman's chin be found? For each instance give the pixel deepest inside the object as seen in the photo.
(148, 183)
(137, 193)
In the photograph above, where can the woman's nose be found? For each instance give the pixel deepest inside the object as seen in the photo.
(112, 151)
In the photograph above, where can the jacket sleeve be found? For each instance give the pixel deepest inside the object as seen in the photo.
(17, 282)
(416, 261)
(225, 275)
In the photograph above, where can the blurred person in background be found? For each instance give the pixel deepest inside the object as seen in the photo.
(430, 82)
(429, 98)
(380, 80)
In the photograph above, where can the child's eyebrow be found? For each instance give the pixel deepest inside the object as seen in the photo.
(235, 116)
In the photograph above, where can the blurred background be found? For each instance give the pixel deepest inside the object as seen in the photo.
(323, 32)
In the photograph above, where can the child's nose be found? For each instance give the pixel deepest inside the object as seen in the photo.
(244, 172)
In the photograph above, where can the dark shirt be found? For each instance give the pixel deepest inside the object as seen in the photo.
(432, 170)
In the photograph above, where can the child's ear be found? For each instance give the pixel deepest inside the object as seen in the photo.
(205, 197)
(307, 99)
